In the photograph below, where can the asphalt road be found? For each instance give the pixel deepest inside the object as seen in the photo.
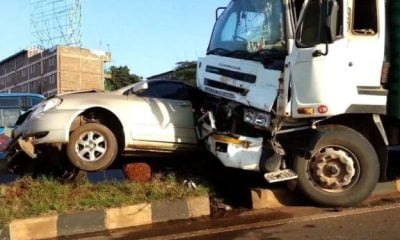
(375, 225)
(378, 219)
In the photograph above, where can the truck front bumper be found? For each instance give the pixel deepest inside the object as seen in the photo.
(235, 151)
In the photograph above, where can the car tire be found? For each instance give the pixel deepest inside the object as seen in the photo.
(342, 171)
(92, 147)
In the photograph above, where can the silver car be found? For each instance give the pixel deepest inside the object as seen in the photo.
(95, 127)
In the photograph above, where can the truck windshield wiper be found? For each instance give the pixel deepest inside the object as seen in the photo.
(219, 51)
(228, 53)
(267, 53)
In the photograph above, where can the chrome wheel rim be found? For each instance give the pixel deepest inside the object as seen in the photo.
(91, 146)
(334, 169)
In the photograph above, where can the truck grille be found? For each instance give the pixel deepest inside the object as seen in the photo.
(224, 86)
(232, 74)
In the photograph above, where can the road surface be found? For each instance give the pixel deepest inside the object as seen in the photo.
(376, 220)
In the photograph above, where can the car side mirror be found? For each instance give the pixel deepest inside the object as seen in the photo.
(145, 86)
(140, 88)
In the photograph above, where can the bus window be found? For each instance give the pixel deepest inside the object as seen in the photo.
(9, 102)
(9, 117)
(25, 103)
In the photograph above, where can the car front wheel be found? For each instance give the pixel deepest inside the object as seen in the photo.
(92, 147)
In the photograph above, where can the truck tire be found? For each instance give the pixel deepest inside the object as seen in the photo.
(92, 147)
(343, 168)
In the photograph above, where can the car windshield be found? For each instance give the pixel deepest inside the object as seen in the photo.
(249, 26)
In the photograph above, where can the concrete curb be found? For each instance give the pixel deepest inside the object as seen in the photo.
(107, 219)
(282, 197)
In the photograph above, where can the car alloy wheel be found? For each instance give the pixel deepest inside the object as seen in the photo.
(91, 146)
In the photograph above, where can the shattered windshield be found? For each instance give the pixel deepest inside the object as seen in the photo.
(249, 26)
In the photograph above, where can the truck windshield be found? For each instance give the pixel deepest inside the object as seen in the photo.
(249, 26)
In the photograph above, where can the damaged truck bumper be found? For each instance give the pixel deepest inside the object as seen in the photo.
(233, 151)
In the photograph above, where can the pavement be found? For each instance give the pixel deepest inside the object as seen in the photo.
(375, 219)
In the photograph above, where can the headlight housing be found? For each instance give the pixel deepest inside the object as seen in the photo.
(256, 118)
(51, 103)
(47, 105)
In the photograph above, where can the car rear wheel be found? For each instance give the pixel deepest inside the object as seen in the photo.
(92, 147)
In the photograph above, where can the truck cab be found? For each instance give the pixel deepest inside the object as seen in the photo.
(298, 90)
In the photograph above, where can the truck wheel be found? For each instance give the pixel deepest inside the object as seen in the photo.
(343, 169)
(92, 147)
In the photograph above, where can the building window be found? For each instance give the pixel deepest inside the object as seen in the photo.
(24, 72)
(25, 88)
(32, 69)
(52, 61)
(52, 79)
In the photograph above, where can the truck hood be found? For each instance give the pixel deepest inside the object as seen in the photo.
(243, 81)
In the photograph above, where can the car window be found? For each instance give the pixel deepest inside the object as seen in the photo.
(166, 90)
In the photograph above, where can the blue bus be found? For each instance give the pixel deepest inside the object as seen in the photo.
(12, 105)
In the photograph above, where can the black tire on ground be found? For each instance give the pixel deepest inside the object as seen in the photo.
(347, 143)
(92, 147)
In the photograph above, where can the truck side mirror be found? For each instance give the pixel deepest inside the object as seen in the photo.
(328, 24)
(218, 12)
(332, 19)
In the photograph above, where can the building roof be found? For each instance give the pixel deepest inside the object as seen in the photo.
(22, 52)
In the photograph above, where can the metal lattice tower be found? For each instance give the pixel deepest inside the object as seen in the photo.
(56, 22)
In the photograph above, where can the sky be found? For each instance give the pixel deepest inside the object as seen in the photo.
(149, 36)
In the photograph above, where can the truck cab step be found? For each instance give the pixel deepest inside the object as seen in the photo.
(280, 176)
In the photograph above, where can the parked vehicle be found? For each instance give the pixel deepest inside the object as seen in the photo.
(303, 89)
(94, 128)
(12, 105)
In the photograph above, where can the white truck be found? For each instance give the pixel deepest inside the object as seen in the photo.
(302, 90)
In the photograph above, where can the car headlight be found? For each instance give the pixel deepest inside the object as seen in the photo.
(47, 105)
(256, 118)
(51, 103)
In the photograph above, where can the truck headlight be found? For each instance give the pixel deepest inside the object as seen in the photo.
(256, 118)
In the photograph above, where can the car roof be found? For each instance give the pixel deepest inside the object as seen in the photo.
(21, 95)
(122, 90)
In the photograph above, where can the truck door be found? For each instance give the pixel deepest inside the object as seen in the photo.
(319, 70)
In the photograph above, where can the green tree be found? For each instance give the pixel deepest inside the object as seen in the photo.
(120, 77)
(186, 71)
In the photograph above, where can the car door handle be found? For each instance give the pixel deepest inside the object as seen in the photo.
(184, 105)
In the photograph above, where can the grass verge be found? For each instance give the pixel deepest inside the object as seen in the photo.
(43, 196)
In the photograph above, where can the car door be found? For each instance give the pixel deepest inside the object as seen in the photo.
(165, 115)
